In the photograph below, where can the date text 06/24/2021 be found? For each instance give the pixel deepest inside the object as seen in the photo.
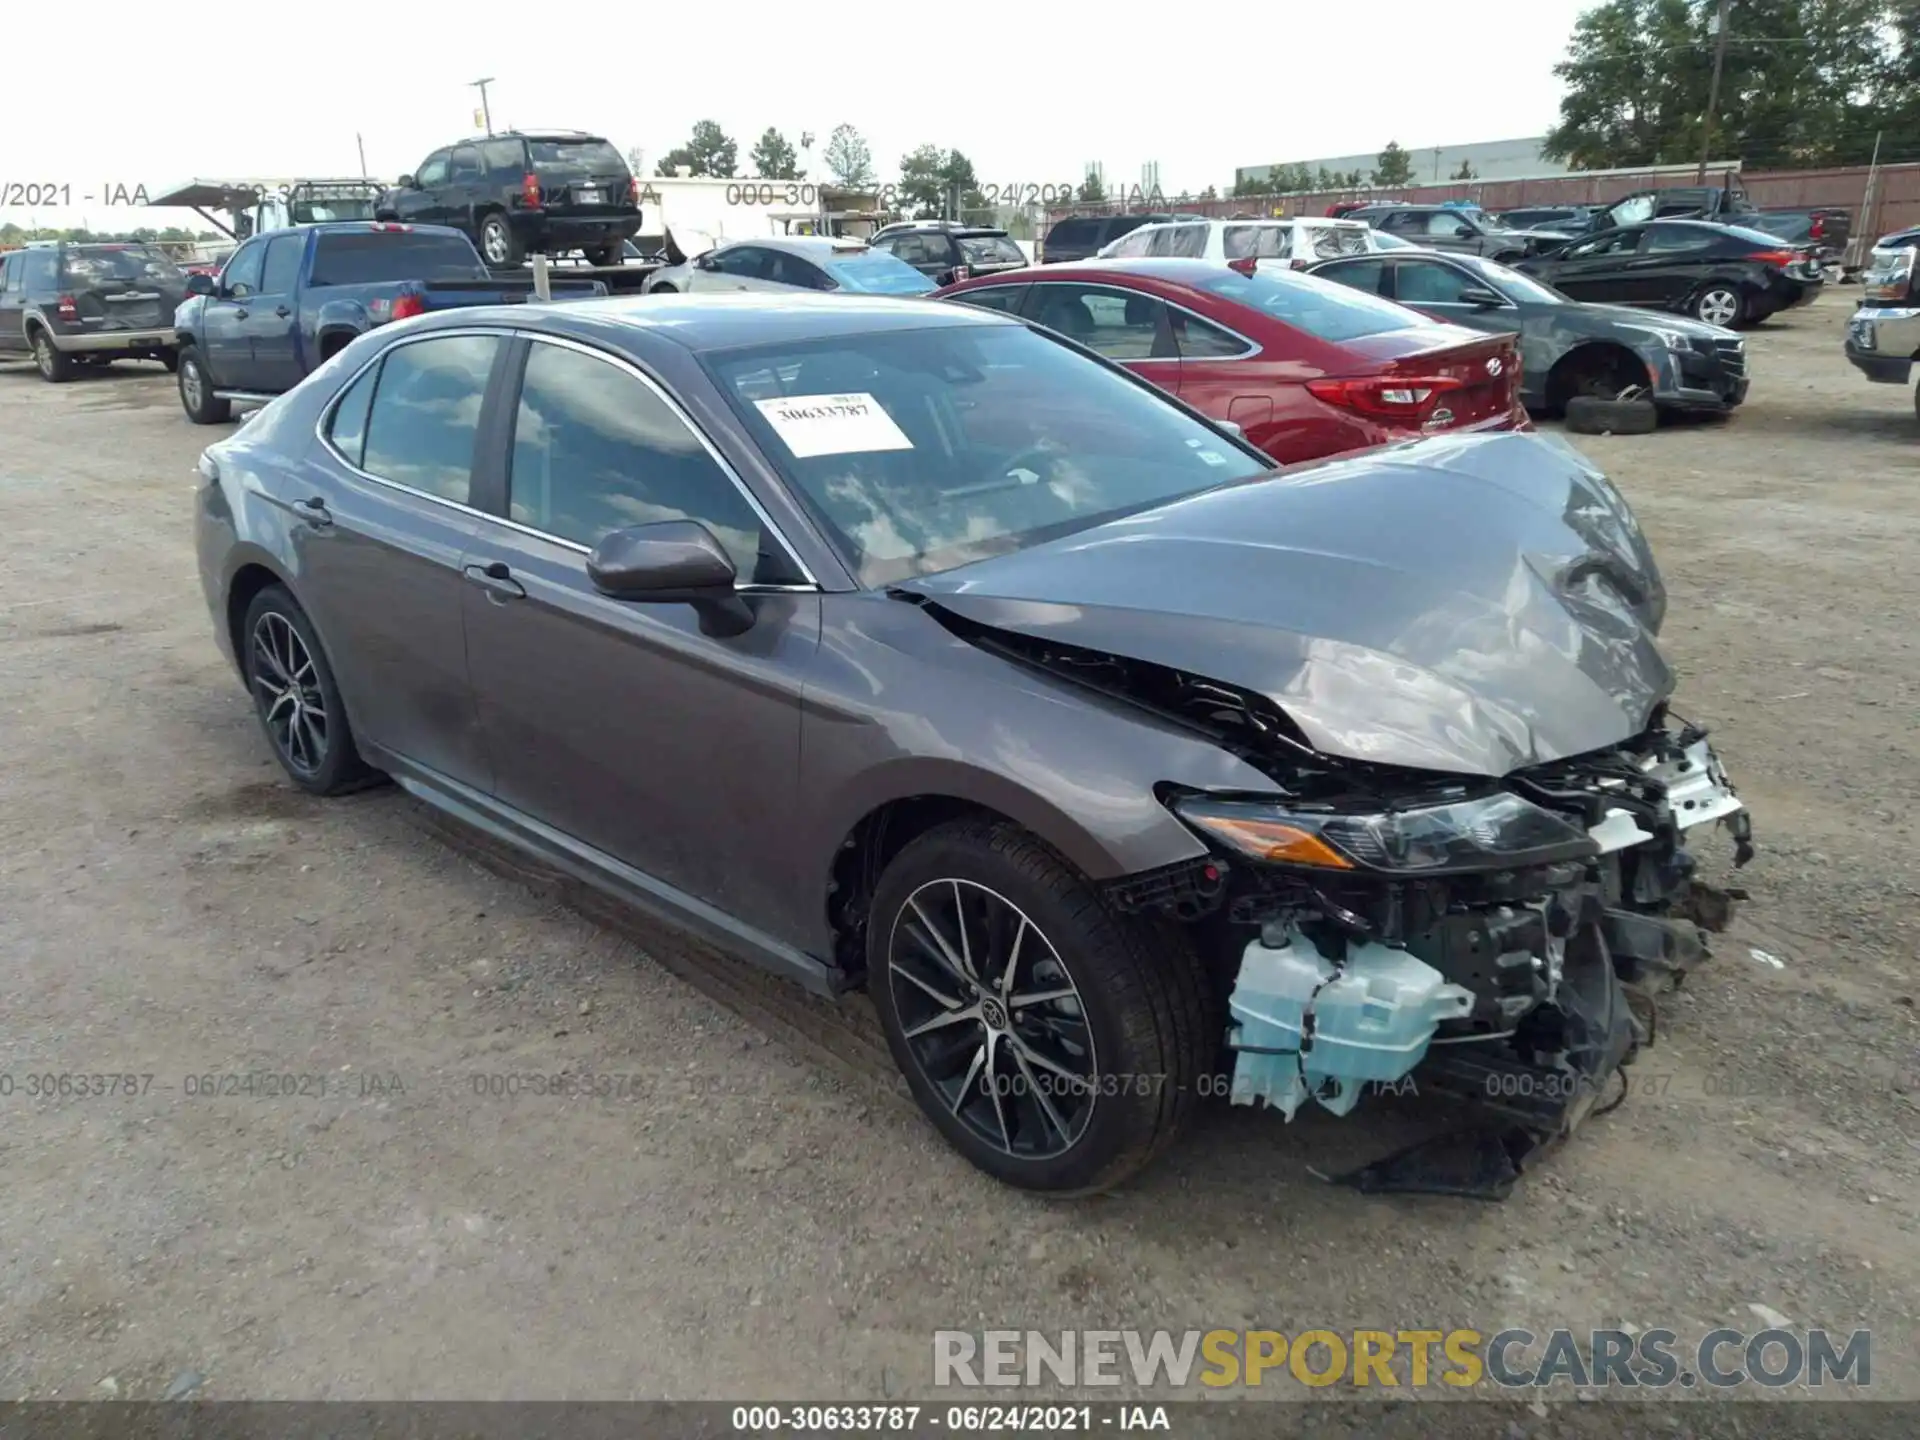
(55, 194)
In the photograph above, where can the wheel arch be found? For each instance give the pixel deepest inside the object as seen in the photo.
(1585, 356)
(254, 573)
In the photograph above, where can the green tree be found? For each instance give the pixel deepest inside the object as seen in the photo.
(1209, 194)
(935, 182)
(1245, 185)
(1091, 190)
(848, 159)
(1805, 82)
(774, 157)
(1465, 172)
(708, 151)
(1394, 168)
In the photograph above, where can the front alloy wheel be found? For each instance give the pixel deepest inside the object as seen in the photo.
(992, 1019)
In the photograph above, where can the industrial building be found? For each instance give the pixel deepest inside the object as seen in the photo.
(1489, 160)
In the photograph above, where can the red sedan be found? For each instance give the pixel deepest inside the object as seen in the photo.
(1305, 368)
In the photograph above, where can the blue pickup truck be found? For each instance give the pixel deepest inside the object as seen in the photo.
(288, 300)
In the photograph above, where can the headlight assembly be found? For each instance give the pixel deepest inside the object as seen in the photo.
(1494, 832)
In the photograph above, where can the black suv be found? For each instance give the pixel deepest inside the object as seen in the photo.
(551, 192)
(945, 251)
(69, 305)
(1080, 237)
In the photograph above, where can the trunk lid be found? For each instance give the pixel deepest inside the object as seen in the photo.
(122, 287)
(1481, 372)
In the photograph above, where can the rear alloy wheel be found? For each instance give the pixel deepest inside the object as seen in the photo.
(296, 698)
(1720, 305)
(499, 244)
(55, 365)
(1056, 1044)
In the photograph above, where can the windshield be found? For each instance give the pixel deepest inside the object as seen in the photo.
(1322, 308)
(583, 157)
(121, 262)
(875, 272)
(990, 250)
(371, 257)
(923, 450)
(1523, 288)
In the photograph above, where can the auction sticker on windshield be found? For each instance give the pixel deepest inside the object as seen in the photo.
(833, 425)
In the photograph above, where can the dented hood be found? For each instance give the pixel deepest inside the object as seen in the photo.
(1471, 604)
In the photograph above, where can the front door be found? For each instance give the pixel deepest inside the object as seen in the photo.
(625, 724)
(379, 558)
(225, 316)
(424, 202)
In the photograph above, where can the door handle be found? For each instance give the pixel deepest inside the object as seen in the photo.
(283, 312)
(313, 511)
(497, 580)
(240, 314)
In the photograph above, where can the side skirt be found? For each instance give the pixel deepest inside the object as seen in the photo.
(610, 876)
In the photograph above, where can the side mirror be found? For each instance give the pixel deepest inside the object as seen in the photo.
(406, 183)
(1463, 232)
(200, 284)
(1481, 298)
(673, 561)
(1232, 427)
(704, 262)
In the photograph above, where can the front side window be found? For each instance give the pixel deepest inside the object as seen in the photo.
(1422, 282)
(1448, 225)
(925, 449)
(745, 262)
(595, 449)
(1665, 239)
(425, 414)
(433, 171)
(1131, 246)
(242, 275)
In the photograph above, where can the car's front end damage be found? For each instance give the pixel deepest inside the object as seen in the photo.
(1474, 864)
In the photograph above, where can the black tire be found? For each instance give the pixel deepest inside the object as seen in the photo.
(605, 254)
(56, 367)
(664, 289)
(170, 359)
(1138, 993)
(1587, 415)
(1718, 298)
(310, 737)
(203, 407)
(499, 246)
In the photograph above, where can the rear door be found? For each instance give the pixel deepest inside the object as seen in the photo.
(467, 190)
(121, 287)
(13, 338)
(379, 557)
(1669, 262)
(1596, 269)
(273, 319)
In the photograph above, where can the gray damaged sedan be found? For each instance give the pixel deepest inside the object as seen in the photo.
(1567, 348)
(906, 647)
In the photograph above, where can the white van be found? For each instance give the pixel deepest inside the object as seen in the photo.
(1300, 241)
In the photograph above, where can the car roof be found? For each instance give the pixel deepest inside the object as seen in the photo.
(350, 227)
(1172, 270)
(811, 246)
(724, 321)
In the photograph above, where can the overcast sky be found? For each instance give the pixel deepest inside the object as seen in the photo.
(1200, 91)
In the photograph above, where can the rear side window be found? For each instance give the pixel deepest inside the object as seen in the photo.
(348, 257)
(1669, 238)
(1184, 241)
(282, 272)
(1321, 309)
(347, 430)
(420, 429)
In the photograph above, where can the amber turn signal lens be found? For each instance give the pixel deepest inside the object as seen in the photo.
(1276, 842)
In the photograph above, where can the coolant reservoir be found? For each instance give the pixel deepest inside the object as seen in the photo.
(1372, 1018)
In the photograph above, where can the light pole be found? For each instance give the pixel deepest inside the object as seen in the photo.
(1713, 91)
(487, 115)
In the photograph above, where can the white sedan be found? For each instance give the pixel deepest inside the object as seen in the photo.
(792, 262)
(1302, 241)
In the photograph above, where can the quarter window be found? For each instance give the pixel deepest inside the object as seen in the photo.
(1201, 340)
(426, 411)
(347, 430)
(595, 450)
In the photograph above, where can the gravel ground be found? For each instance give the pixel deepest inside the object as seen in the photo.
(760, 1213)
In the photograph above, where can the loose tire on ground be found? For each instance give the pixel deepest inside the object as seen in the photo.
(1139, 985)
(1589, 416)
(337, 767)
(203, 407)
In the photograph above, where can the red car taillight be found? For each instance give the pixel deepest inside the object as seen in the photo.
(1819, 227)
(530, 189)
(1773, 257)
(408, 305)
(960, 272)
(1385, 397)
(66, 309)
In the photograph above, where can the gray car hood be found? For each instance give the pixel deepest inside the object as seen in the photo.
(1665, 320)
(1470, 604)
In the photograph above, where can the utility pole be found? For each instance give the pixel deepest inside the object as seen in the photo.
(363, 153)
(1713, 91)
(487, 114)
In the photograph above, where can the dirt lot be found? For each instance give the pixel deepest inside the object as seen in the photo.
(758, 1216)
